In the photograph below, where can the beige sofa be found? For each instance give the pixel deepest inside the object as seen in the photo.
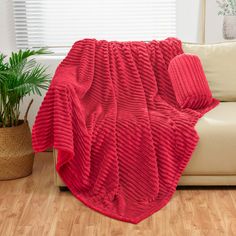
(214, 160)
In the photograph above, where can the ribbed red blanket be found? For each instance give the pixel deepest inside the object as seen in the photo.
(122, 139)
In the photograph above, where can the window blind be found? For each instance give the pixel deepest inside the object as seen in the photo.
(57, 23)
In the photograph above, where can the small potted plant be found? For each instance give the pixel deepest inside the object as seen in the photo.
(20, 76)
(228, 10)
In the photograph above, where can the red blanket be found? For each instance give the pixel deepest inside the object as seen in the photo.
(122, 139)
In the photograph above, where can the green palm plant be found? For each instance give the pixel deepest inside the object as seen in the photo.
(20, 76)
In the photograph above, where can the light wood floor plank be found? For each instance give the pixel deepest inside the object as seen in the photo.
(34, 206)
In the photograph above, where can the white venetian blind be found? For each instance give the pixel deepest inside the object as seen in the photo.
(58, 23)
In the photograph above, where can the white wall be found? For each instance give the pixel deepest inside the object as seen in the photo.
(189, 20)
(188, 25)
(7, 35)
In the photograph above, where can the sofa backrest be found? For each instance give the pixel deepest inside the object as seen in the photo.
(219, 64)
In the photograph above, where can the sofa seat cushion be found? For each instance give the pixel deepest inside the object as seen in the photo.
(216, 150)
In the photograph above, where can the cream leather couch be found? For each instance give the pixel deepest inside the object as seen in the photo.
(214, 160)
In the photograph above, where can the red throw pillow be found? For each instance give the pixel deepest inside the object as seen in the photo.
(189, 82)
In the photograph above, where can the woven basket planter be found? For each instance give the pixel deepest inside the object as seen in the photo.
(16, 153)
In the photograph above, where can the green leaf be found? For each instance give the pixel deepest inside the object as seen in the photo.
(19, 77)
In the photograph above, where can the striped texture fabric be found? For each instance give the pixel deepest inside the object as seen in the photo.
(189, 82)
(122, 139)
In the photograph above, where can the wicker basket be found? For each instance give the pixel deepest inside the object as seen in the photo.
(16, 153)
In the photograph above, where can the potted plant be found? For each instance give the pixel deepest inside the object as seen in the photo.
(228, 10)
(20, 76)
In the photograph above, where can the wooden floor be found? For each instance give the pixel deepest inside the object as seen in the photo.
(34, 206)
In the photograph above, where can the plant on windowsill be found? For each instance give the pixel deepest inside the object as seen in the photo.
(228, 10)
(20, 76)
